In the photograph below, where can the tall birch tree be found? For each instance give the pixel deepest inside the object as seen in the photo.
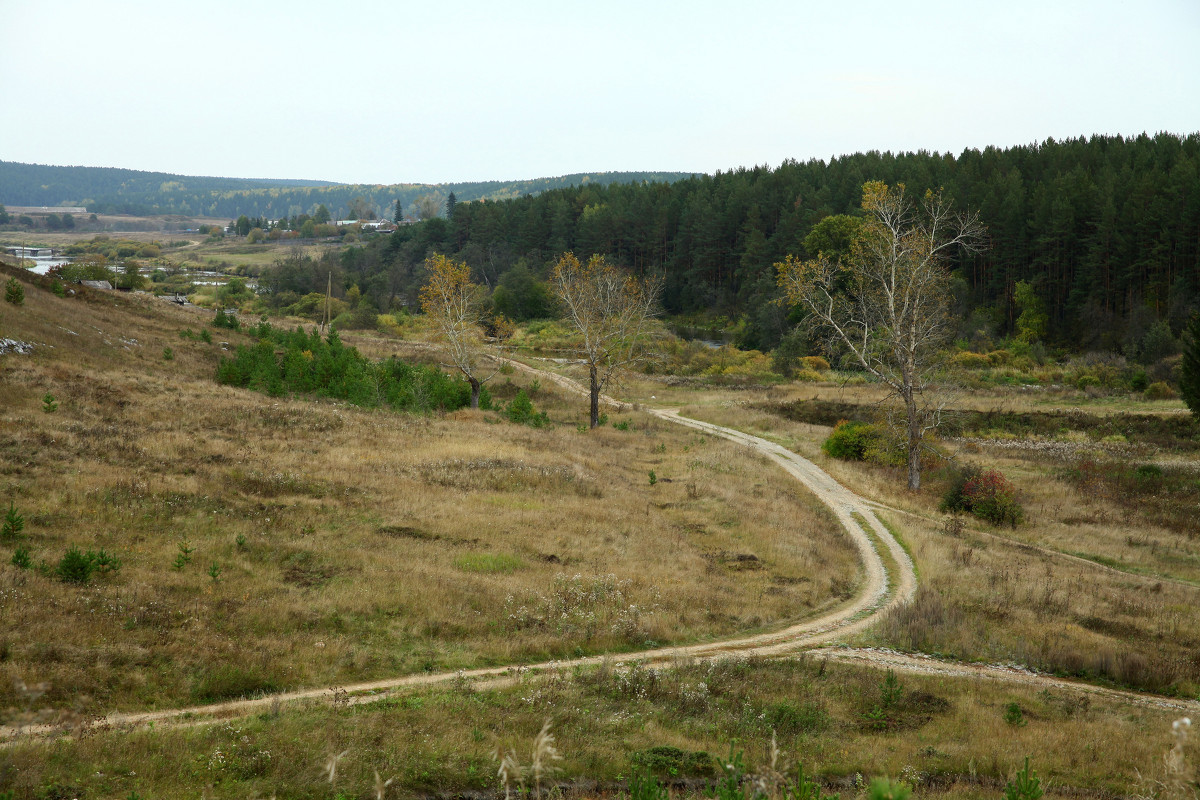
(887, 303)
(612, 312)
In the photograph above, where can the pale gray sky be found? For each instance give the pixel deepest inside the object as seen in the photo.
(396, 91)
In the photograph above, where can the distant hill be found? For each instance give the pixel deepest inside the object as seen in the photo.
(117, 191)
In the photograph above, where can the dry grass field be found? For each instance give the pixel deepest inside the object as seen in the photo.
(281, 543)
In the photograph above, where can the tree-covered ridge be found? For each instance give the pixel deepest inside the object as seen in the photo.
(1105, 231)
(109, 190)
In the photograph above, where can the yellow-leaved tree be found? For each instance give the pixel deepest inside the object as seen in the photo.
(453, 306)
(886, 302)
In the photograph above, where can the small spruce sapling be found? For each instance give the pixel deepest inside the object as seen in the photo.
(49, 403)
(1013, 715)
(21, 559)
(1025, 786)
(14, 292)
(184, 556)
(14, 523)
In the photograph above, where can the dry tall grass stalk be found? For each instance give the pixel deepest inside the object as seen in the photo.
(1176, 777)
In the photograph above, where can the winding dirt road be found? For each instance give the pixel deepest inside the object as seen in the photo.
(884, 586)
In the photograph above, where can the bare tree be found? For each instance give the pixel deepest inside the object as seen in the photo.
(428, 206)
(452, 303)
(611, 310)
(888, 301)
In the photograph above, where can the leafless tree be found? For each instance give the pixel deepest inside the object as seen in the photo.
(611, 310)
(888, 302)
(428, 206)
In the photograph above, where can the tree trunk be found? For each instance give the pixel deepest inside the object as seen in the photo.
(914, 443)
(594, 392)
(474, 391)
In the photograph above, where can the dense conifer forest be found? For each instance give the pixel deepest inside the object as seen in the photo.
(1099, 237)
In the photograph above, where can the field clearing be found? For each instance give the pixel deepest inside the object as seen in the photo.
(275, 543)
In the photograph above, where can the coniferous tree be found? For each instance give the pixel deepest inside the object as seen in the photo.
(1189, 368)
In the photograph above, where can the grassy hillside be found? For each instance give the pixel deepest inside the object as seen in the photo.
(271, 543)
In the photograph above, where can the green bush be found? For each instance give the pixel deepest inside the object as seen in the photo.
(76, 566)
(223, 320)
(954, 501)
(303, 363)
(992, 498)
(1138, 381)
(862, 441)
(850, 441)
(806, 376)
(521, 411)
(1160, 390)
(968, 360)
(14, 292)
(987, 495)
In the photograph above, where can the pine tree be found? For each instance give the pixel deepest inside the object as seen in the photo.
(1189, 369)
(451, 201)
(398, 217)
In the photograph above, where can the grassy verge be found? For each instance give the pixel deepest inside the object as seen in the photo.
(953, 738)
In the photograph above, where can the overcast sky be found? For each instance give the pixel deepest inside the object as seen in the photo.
(395, 92)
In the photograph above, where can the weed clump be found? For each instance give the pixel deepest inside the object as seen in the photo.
(225, 682)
